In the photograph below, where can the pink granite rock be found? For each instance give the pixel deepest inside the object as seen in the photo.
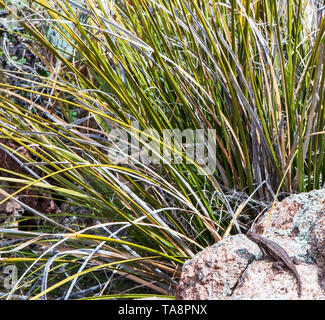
(234, 269)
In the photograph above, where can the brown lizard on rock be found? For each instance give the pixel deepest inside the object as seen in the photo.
(276, 252)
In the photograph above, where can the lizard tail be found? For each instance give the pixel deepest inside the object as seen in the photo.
(299, 284)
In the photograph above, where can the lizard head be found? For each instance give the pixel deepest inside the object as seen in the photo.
(253, 236)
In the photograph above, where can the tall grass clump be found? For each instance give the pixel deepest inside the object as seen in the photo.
(124, 74)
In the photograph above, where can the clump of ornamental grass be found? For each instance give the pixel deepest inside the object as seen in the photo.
(168, 124)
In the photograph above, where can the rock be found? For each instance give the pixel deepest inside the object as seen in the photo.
(216, 270)
(261, 281)
(9, 213)
(234, 269)
(318, 248)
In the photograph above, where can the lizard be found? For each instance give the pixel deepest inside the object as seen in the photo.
(276, 252)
